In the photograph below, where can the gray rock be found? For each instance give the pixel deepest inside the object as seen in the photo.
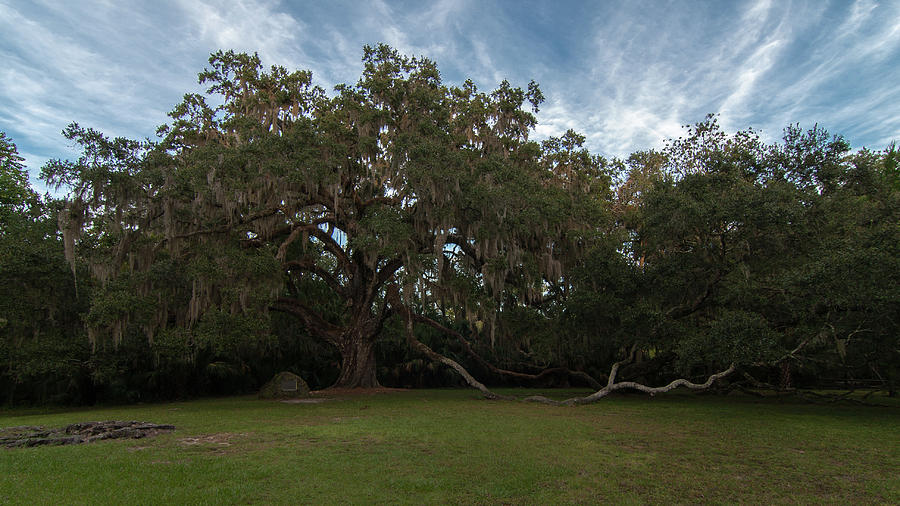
(285, 385)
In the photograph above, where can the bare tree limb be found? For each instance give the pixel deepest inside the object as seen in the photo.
(310, 266)
(433, 355)
(313, 321)
(612, 386)
(503, 372)
(333, 247)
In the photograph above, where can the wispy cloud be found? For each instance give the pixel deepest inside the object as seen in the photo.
(744, 83)
(54, 75)
(627, 75)
(842, 78)
(247, 25)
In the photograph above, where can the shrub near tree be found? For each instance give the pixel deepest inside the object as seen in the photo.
(846, 293)
(43, 353)
(779, 257)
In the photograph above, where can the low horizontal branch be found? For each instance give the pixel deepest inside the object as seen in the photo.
(613, 386)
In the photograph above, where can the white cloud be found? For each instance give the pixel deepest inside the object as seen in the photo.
(554, 119)
(859, 14)
(249, 26)
(626, 75)
(743, 86)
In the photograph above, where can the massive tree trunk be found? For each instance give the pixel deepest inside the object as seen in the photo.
(355, 342)
(357, 360)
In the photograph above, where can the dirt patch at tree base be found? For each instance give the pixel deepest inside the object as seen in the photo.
(355, 392)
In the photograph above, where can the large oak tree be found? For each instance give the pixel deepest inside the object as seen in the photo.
(340, 209)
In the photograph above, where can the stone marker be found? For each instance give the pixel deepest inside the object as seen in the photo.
(285, 385)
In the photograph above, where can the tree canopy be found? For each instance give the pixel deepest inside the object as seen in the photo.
(281, 197)
(351, 232)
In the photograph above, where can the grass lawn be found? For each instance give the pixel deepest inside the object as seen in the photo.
(450, 446)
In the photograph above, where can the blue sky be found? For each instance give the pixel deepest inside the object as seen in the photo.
(626, 74)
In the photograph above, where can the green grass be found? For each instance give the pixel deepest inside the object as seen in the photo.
(449, 446)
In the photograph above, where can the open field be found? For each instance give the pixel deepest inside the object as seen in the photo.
(449, 446)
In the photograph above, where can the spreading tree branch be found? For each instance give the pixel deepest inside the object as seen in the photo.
(312, 320)
(421, 347)
(227, 227)
(309, 265)
(333, 247)
(296, 230)
(387, 272)
(683, 310)
(612, 386)
(503, 372)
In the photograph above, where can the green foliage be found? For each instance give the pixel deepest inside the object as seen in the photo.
(758, 253)
(42, 346)
(396, 181)
(16, 194)
(47, 357)
(267, 196)
(735, 337)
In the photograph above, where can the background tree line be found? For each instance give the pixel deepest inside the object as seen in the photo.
(358, 237)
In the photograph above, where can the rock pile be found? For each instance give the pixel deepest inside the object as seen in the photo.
(76, 433)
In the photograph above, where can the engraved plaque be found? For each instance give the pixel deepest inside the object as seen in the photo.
(288, 385)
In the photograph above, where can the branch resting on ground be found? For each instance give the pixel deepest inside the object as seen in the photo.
(612, 386)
